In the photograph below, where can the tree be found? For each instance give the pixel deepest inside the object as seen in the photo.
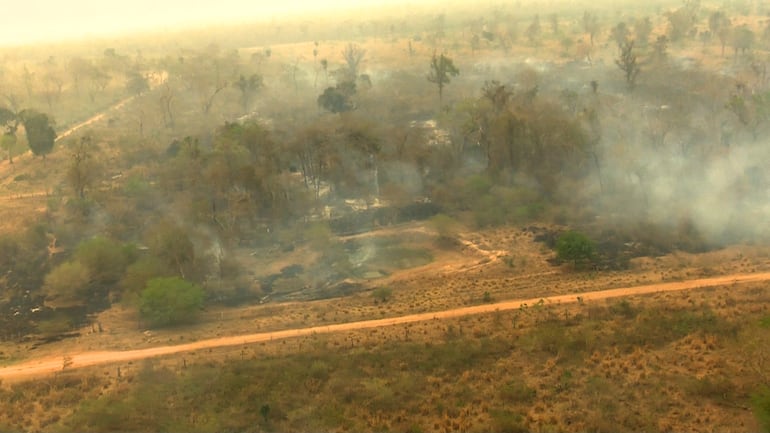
(742, 39)
(591, 25)
(576, 247)
(105, 259)
(248, 88)
(719, 25)
(642, 30)
(170, 243)
(441, 70)
(170, 301)
(627, 63)
(353, 55)
(661, 48)
(338, 99)
(10, 120)
(136, 84)
(139, 273)
(534, 30)
(82, 170)
(682, 21)
(620, 34)
(40, 132)
(66, 286)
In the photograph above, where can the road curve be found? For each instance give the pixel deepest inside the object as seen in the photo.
(40, 367)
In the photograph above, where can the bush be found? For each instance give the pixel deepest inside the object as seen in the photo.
(575, 247)
(382, 294)
(170, 301)
(67, 285)
(761, 403)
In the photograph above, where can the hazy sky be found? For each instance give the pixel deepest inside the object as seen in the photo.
(23, 21)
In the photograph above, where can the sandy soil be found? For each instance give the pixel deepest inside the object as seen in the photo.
(44, 366)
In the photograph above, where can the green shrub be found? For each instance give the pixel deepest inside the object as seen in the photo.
(382, 294)
(170, 301)
(760, 401)
(575, 247)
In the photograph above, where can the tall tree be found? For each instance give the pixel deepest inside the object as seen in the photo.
(591, 25)
(353, 55)
(10, 121)
(642, 30)
(40, 132)
(441, 70)
(620, 34)
(534, 31)
(627, 63)
(248, 88)
(82, 170)
(719, 25)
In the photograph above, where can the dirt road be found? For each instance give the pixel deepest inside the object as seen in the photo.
(94, 119)
(40, 367)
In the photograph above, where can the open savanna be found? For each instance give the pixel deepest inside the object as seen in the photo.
(684, 361)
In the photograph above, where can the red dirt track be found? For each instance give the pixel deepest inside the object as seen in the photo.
(41, 367)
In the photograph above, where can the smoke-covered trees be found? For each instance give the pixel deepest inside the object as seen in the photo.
(338, 99)
(353, 55)
(628, 64)
(10, 121)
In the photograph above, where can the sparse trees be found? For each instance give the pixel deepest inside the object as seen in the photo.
(627, 63)
(441, 70)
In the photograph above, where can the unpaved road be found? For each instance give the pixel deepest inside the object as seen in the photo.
(41, 367)
(94, 119)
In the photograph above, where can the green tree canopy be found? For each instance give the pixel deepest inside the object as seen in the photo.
(40, 132)
(442, 68)
(170, 301)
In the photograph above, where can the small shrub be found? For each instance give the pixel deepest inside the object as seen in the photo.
(760, 401)
(575, 247)
(382, 294)
(517, 392)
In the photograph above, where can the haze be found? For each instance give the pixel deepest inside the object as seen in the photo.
(46, 20)
(384, 215)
